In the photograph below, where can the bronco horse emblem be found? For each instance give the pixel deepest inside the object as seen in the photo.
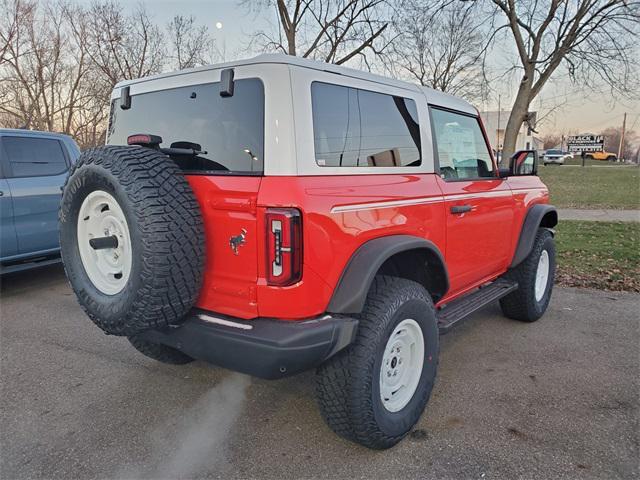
(237, 241)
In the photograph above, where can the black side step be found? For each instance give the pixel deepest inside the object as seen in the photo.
(456, 311)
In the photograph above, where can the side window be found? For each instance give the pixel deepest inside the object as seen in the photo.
(336, 125)
(34, 157)
(359, 128)
(461, 147)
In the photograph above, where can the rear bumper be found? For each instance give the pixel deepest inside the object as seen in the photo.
(263, 347)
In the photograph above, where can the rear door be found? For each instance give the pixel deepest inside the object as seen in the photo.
(479, 205)
(225, 174)
(37, 168)
(8, 240)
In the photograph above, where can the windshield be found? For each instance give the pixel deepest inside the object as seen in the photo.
(554, 152)
(229, 130)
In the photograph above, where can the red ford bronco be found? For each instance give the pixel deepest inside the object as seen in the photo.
(276, 214)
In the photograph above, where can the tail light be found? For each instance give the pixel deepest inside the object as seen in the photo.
(284, 246)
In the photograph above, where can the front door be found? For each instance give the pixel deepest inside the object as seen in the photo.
(479, 205)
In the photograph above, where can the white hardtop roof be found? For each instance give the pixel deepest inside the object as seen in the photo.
(433, 96)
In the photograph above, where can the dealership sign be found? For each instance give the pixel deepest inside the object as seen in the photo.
(585, 143)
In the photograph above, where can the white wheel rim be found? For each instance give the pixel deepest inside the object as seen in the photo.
(109, 268)
(401, 366)
(542, 275)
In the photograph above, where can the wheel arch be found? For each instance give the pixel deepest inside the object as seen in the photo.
(540, 215)
(395, 255)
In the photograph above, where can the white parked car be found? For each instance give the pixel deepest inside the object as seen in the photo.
(554, 156)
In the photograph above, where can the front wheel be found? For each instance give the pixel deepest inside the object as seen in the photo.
(535, 281)
(374, 392)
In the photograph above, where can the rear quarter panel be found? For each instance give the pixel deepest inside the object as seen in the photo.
(340, 213)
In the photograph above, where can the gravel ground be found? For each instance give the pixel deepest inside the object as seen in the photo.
(554, 399)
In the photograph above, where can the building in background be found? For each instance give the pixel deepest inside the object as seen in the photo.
(495, 123)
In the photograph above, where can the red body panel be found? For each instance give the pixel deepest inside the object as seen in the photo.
(339, 214)
(479, 241)
(228, 206)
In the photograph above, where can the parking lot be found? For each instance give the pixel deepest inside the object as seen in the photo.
(558, 398)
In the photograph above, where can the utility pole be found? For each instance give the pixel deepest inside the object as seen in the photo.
(621, 148)
(498, 132)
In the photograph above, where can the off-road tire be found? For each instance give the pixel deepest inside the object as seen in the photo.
(522, 304)
(347, 385)
(166, 234)
(159, 352)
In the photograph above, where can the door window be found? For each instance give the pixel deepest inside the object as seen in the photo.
(33, 157)
(462, 151)
(360, 128)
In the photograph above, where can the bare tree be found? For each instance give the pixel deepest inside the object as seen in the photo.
(612, 141)
(551, 140)
(439, 44)
(39, 81)
(13, 10)
(334, 31)
(595, 40)
(191, 44)
(124, 46)
(57, 75)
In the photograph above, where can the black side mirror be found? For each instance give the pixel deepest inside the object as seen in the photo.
(524, 162)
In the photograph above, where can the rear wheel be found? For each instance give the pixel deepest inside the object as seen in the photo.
(374, 392)
(131, 238)
(159, 352)
(535, 277)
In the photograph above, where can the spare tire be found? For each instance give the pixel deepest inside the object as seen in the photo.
(132, 239)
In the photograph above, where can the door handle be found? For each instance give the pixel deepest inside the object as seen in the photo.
(1, 193)
(461, 209)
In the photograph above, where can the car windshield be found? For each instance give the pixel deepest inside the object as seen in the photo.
(554, 152)
(230, 130)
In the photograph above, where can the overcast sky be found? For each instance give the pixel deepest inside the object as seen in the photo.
(579, 112)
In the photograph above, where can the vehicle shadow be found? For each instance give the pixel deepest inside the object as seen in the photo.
(33, 279)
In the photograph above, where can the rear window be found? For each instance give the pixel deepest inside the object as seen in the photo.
(360, 128)
(34, 157)
(230, 130)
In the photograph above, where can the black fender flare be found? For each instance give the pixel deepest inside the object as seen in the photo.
(539, 215)
(350, 294)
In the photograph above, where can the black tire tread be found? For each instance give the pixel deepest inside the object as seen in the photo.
(170, 222)
(347, 411)
(519, 304)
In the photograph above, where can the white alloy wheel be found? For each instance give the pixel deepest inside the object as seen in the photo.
(108, 268)
(542, 275)
(401, 366)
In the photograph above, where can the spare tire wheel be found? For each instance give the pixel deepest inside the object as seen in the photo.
(132, 239)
